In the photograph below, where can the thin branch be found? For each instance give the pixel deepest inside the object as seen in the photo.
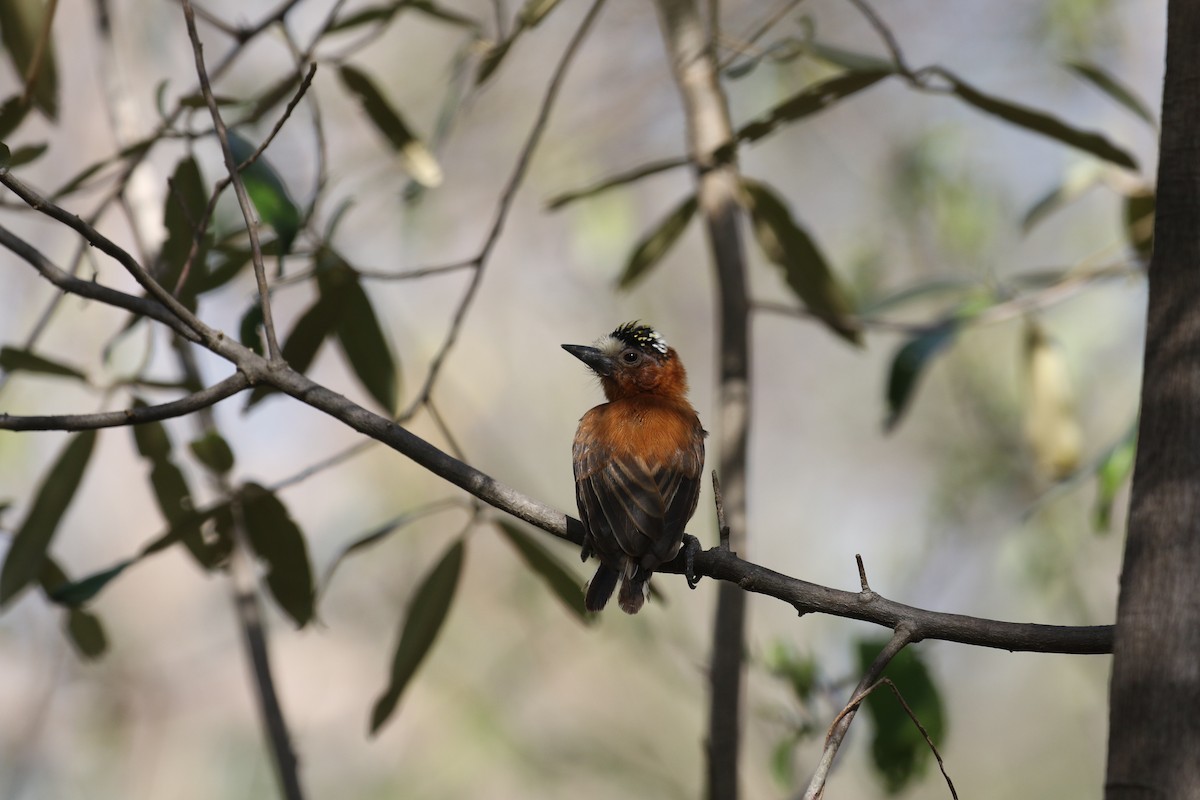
(885, 33)
(837, 732)
(750, 39)
(249, 611)
(130, 416)
(620, 179)
(91, 290)
(508, 194)
(722, 523)
(201, 226)
(260, 273)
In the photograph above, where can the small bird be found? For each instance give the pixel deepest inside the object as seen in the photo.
(637, 462)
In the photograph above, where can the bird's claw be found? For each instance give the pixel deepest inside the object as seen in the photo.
(691, 546)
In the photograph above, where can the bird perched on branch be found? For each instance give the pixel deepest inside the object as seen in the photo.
(637, 462)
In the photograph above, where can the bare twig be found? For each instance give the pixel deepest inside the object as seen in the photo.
(249, 611)
(620, 179)
(748, 41)
(862, 574)
(130, 416)
(902, 636)
(260, 273)
(201, 225)
(507, 195)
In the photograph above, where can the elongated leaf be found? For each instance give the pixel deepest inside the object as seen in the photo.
(358, 331)
(789, 247)
(213, 451)
(534, 11)
(909, 364)
(184, 206)
(414, 156)
(656, 244)
(13, 359)
(493, 57)
(1079, 179)
(86, 633)
(426, 613)
(449, 16)
(799, 670)
(1139, 222)
(377, 13)
(810, 100)
(563, 582)
(1052, 427)
(898, 750)
(26, 155)
(1113, 88)
(301, 345)
(76, 593)
(231, 262)
(22, 25)
(281, 90)
(1039, 122)
(5, 156)
(847, 59)
(33, 537)
(1111, 475)
(12, 114)
(278, 541)
(268, 193)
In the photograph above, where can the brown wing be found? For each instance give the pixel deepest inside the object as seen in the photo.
(633, 509)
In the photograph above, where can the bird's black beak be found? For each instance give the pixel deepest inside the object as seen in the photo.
(600, 364)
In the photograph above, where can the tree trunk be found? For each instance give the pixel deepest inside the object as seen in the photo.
(1154, 717)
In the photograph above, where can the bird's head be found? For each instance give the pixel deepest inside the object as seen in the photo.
(634, 360)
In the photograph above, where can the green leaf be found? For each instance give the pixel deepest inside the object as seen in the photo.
(305, 339)
(27, 154)
(280, 544)
(12, 114)
(377, 13)
(414, 156)
(426, 613)
(86, 633)
(151, 438)
(563, 582)
(798, 669)
(1038, 122)
(443, 14)
(1111, 475)
(187, 197)
(214, 452)
(1113, 88)
(32, 539)
(1139, 222)
(534, 11)
(22, 26)
(783, 766)
(492, 58)
(651, 249)
(1079, 179)
(789, 246)
(810, 100)
(847, 59)
(898, 751)
(13, 359)
(268, 193)
(361, 338)
(249, 331)
(76, 593)
(908, 365)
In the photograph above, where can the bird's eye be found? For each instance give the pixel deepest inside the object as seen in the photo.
(630, 357)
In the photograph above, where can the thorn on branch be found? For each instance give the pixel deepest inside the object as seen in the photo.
(862, 575)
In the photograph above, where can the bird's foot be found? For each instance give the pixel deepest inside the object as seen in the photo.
(691, 546)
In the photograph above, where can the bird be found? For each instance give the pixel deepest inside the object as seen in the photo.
(637, 461)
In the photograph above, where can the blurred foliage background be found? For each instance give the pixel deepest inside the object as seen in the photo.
(974, 449)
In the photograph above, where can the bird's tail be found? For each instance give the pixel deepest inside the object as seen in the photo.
(600, 588)
(635, 586)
